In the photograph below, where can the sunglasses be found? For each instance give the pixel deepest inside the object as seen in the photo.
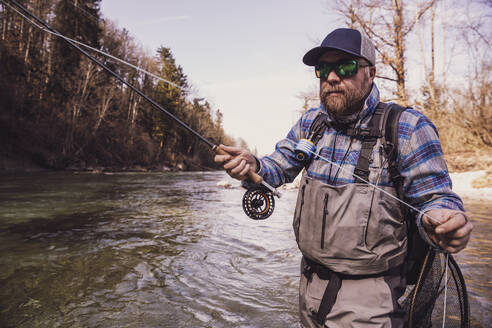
(343, 68)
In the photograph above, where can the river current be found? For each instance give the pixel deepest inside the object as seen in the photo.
(164, 250)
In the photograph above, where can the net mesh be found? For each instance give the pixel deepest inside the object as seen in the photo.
(423, 302)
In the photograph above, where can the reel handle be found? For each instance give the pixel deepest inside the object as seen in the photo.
(255, 178)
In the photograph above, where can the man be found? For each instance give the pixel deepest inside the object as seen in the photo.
(353, 236)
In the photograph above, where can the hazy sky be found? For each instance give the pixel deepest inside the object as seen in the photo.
(245, 57)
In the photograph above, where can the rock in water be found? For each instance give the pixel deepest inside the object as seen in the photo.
(224, 183)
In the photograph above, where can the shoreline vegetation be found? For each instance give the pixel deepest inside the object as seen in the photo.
(471, 173)
(59, 111)
(465, 185)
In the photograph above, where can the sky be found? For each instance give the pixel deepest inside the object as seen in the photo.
(244, 57)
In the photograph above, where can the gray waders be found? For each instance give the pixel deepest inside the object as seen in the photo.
(354, 242)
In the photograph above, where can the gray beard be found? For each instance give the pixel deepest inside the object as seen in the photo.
(347, 102)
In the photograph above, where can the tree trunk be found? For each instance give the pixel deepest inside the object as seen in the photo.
(77, 104)
(26, 54)
(132, 114)
(5, 22)
(21, 32)
(433, 61)
(398, 22)
(105, 103)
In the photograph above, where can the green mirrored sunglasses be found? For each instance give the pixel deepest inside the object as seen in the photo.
(344, 68)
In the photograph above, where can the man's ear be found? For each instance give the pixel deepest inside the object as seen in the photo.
(372, 72)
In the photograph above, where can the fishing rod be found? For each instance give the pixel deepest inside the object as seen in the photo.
(258, 202)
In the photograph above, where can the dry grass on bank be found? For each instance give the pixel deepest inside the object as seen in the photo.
(468, 161)
(483, 181)
(465, 161)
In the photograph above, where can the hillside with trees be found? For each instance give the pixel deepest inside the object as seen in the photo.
(59, 110)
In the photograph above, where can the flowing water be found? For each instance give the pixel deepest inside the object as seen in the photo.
(163, 250)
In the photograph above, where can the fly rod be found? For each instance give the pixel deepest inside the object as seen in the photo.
(258, 202)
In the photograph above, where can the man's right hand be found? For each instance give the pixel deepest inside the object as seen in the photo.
(237, 163)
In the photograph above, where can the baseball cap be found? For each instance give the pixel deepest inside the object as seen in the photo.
(344, 39)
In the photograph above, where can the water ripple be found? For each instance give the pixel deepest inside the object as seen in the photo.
(162, 250)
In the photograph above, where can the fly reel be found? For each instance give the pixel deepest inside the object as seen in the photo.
(258, 203)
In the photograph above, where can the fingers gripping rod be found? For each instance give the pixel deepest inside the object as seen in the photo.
(257, 179)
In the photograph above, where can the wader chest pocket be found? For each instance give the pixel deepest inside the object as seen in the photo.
(331, 221)
(336, 227)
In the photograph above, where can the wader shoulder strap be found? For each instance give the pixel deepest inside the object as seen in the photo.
(316, 132)
(369, 138)
(318, 127)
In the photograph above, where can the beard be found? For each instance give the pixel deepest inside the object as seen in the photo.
(342, 100)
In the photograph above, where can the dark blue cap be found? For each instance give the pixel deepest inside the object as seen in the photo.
(344, 39)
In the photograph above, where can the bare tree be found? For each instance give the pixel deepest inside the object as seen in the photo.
(462, 111)
(310, 98)
(472, 104)
(387, 24)
(454, 39)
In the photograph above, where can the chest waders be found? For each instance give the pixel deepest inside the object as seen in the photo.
(340, 230)
(353, 231)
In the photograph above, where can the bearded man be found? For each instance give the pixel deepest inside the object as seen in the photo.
(353, 237)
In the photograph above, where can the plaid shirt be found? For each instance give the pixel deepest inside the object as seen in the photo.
(420, 158)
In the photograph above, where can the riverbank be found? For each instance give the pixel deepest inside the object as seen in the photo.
(473, 160)
(469, 172)
(463, 185)
(20, 164)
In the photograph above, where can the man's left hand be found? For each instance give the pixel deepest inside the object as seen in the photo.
(451, 233)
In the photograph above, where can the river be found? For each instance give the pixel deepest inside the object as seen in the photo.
(163, 250)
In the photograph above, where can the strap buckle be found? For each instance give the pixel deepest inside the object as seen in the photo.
(308, 271)
(361, 172)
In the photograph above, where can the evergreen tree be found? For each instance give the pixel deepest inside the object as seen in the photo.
(60, 109)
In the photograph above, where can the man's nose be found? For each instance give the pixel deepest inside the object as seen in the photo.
(333, 78)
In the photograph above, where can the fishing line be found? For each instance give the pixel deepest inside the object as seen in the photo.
(87, 14)
(115, 75)
(374, 186)
(74, 43)
(406, 204)
(445, 291)
(96, 50)
(256, 201)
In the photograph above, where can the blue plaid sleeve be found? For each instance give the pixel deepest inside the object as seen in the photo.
(427, 183)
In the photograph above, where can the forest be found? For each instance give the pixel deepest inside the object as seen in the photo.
(59, 110)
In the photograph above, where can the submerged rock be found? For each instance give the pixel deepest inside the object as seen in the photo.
(224, 183)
